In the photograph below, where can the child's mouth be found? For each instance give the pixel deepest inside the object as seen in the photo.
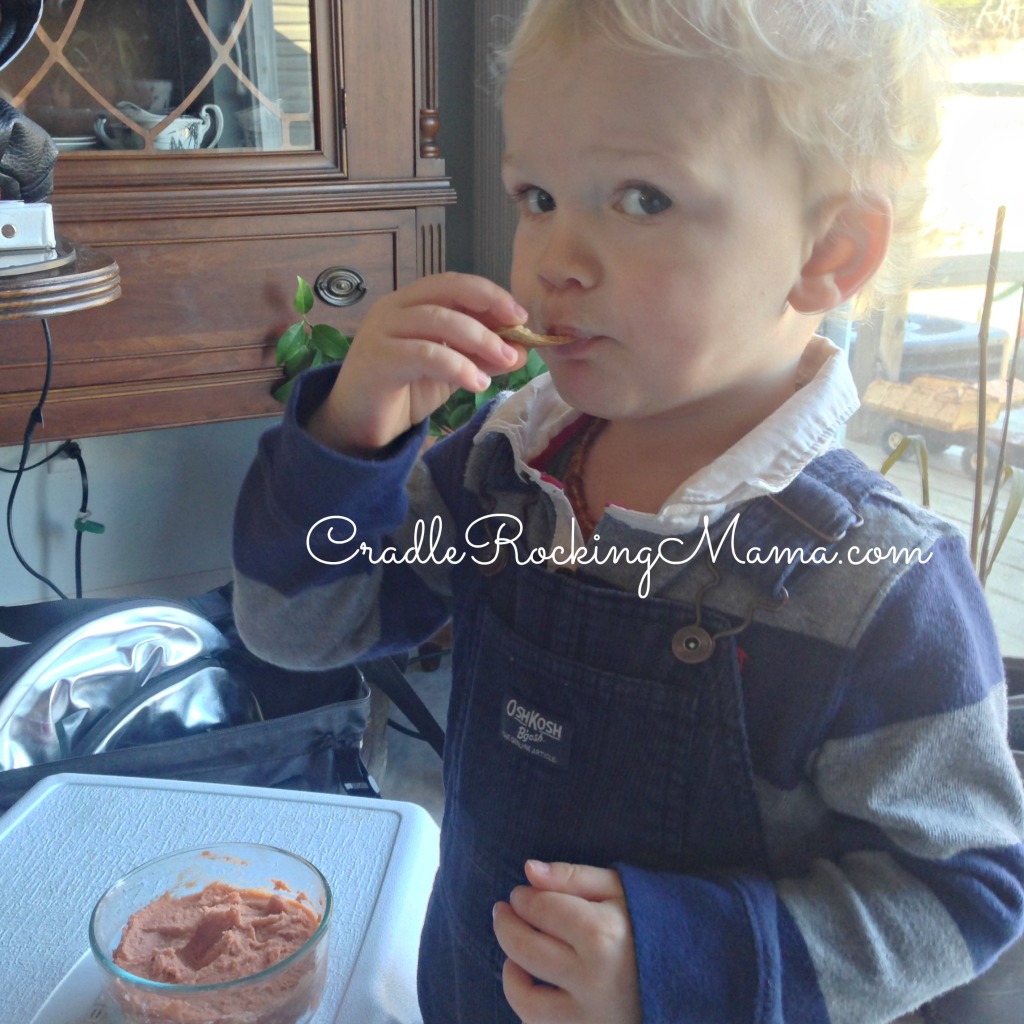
(576, 341)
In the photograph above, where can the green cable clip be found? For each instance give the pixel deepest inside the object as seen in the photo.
(83, 524)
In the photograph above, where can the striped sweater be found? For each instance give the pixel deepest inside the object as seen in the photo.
(874, 704)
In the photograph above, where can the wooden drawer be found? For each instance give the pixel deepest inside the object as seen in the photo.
(192, 337)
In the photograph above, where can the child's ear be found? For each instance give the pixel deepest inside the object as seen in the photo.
(847, 250)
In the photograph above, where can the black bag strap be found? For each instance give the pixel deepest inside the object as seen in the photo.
(28, 623)
(385, 674)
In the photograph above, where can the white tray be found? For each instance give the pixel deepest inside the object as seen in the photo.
(71, 836)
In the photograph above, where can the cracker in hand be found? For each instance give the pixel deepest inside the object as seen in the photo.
(530, 339)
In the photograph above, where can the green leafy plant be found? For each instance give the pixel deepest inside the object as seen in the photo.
(463, 404)
(305, 345)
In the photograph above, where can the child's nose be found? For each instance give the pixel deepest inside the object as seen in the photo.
(568, 257)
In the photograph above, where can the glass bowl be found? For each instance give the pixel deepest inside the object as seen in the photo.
(285, 992)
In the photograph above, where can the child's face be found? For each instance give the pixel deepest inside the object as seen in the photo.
(658, 227)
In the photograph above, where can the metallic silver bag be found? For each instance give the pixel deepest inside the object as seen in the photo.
(168, 690)
(139, 673)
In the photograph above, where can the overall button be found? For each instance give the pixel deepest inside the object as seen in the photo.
(693, 644)
(496, 564)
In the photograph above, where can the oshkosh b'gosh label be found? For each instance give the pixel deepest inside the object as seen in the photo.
(536, 732)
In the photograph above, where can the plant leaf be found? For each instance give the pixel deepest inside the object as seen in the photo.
(300, 361)
(1014, 476)
(283, 391)
(512, 381)
(916, 444)
(462, 413)
(481, 398)
(303, 297)
(535, 365)
(439, 421)
(292, 341)
(330, 341)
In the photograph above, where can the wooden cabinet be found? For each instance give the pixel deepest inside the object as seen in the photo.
(329, 159)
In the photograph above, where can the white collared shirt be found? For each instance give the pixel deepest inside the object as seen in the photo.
(763, 461)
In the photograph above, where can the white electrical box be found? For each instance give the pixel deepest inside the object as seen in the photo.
(26, 226)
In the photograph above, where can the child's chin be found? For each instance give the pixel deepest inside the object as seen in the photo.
(586, 396)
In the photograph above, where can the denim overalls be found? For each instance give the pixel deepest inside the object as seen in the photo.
(589, 725)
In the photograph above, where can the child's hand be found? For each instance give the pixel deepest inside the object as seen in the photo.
(569, 928)
(412, 350)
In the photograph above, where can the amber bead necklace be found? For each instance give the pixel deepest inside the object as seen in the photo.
(573, 482)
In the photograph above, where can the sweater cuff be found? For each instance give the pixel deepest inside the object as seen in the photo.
(697, 952)
(332, 479)
(718, 950)
(311, 391)
(694, 953)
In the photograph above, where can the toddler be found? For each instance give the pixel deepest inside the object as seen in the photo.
(726, 739)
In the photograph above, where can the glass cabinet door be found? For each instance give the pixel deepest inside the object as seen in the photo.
(167, 75)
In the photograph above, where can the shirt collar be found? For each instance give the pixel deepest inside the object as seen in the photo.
(764, 461)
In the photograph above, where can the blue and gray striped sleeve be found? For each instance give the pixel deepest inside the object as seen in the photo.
(312, 533)
(896, 834)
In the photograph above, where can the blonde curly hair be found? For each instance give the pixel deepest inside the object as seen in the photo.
(854, 83)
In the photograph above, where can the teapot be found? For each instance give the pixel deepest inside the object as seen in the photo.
(185, 132)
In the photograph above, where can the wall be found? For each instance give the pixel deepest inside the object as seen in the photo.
(166, 498)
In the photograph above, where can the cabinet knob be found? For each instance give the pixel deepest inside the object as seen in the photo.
(340, 286)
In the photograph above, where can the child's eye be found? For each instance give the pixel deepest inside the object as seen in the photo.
(536, 200)
(643, 201)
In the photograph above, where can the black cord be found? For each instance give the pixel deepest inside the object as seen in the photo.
(35, 418)
(74, 451)
(62, 449)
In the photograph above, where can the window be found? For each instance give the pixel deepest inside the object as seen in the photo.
(109, 74)
(977, 169)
